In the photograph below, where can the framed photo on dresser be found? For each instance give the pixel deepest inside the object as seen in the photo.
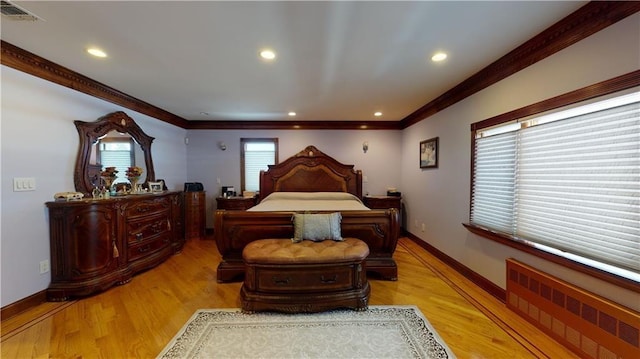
(155, 187)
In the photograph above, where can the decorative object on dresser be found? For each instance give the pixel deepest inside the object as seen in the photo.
(108, 176)
(194, 214)
(155, 187)
(236, 203)
(96, 244)
(68, 196)
(133, 174)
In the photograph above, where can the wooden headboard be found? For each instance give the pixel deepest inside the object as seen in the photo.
(310, 170)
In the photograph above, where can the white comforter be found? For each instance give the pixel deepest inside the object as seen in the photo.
(309, 201)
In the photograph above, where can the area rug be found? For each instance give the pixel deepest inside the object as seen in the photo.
(378, 332)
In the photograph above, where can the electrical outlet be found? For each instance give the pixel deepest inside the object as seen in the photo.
(423, 227)
(44, 266)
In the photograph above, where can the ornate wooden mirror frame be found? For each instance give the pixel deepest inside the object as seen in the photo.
(90, 132)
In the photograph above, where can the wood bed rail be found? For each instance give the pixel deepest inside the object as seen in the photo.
(380, 229)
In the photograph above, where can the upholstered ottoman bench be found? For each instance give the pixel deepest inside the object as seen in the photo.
(305, 277)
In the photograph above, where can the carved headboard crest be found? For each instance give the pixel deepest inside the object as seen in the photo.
(311, 170)
(309, 151)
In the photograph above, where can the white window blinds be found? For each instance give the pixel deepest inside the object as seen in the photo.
(574, 185)
(257, 157)
(493, 192)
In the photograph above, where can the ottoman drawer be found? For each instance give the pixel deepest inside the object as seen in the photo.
(311, 279)
(305, 276)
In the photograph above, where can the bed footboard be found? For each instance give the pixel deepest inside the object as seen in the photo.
(380, 229)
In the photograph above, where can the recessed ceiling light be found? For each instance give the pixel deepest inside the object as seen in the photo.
(377, 114)
(96, 52)
(267, 54)
(292, 114)
(438, 56)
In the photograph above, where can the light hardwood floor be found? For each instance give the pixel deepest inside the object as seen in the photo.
(138, 319)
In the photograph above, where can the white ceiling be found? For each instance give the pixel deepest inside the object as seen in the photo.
(336, 60)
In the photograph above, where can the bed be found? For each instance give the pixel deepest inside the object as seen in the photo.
(308, 182)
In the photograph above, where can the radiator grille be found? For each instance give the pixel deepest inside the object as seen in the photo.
(589, 325)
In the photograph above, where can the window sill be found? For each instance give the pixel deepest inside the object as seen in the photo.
(531, 248)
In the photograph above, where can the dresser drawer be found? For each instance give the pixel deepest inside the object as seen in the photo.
(141, 229)
(144, 248)
(382, 202)
(320, 278)
(195, 198)
(148, 207)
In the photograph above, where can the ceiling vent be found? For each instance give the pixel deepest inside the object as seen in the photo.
(15, 12)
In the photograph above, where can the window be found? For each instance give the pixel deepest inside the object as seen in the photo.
(567, 183)
(256, 155)
(116, 152)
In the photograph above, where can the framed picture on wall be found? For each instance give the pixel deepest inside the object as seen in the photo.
(429, 153)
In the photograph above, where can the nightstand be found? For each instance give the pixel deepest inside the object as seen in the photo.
(384, 202)
(195, 218)
(237, 203)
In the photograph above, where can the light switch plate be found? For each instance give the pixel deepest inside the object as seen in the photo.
(21, 184)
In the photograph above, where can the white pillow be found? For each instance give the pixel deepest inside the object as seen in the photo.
(317, 226)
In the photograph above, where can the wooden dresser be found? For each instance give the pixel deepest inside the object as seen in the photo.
(195, 215)
(96, 244)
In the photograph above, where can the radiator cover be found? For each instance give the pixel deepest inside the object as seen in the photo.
(589, 325)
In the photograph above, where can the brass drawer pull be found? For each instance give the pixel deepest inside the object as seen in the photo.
(330, 280)
(283, 281)
(144, 248)
(157, 227)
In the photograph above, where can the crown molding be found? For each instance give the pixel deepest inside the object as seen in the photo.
(293, 125)
(25, 61)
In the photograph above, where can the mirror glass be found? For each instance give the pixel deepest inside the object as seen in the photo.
(111, 136)
(119, 150)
